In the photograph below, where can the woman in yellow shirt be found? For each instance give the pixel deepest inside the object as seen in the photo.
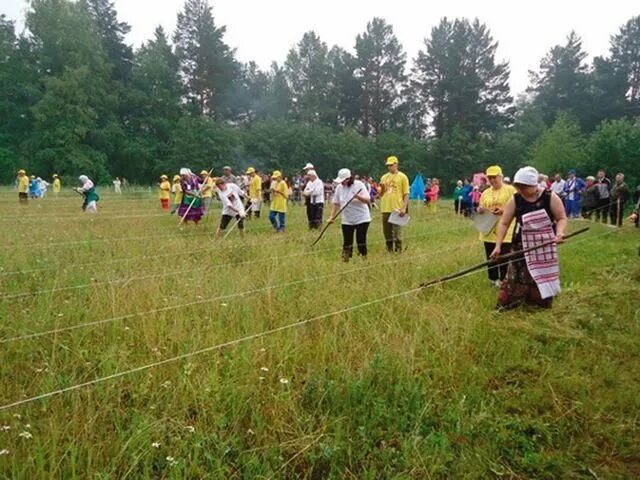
(165, 190)
(493, 201)
(23, 187)
(56, 184)
(176, 189)
(279, 195)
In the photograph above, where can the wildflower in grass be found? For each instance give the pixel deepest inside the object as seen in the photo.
(261, 378)
(190, 429)
(61, 315)
(166, 384)
(264, 369)
(4, 451)
(28, 425)
(155, 444)
(17, 415)
(26, 435)
(250, 432)
(5, 428)
(172, 461)
(284, 381)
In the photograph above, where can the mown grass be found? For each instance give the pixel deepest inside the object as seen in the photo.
(430, 385)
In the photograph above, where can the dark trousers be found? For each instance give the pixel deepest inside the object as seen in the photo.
(392, 234)
(499, 270)
(616, 212)
(314, 215)
(602, 210)
(23, 197)
(361, 240)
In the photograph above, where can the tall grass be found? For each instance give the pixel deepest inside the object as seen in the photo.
(431, 385)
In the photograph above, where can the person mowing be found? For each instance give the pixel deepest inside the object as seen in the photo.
(356, 217)
(533, 278)
(91, 197)
(230, 195)
(493, 201)
(191, 208)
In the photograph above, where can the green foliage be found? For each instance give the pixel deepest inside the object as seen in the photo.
(560, 147)
(74, 95)
(615, 147)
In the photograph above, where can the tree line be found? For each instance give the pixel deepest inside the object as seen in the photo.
(75, 97)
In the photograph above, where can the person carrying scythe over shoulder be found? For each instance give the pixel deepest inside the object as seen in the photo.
(540, 216)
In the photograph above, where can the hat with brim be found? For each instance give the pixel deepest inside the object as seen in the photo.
(163, 177)
(343, 174)
(527, 176)
(392, 161)
(251, 170)
(276, 174)
(494, 171)
(204, 172)
(309, 166)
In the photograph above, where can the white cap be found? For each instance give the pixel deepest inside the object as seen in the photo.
(527, 176)
(308, 166)
(343, 174)
(312, 172)
(185, 171)
(226, 167)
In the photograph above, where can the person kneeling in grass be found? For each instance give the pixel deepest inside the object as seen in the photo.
(532, 278)
(356, 216)
(232, 207)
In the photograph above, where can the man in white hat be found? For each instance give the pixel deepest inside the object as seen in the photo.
(314, 195)
(228, 176)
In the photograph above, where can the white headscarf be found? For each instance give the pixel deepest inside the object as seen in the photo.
(185, 171)
(86, 182)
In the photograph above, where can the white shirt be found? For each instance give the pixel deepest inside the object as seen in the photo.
(315, 191)
(557, 187)
(357, 212)
(231, 197)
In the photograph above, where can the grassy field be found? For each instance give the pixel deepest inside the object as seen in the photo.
(433, 384)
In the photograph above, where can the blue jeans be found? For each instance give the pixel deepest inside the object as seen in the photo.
(572, 207)
(279, 225)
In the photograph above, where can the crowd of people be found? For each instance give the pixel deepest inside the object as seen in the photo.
(529, 214)
(595, 197)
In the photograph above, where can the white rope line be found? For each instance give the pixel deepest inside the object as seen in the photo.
(179, 253)
(176, 234)
(243, 339)
(223, 297)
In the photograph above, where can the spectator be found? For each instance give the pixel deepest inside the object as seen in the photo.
(620, 195)
(603, 185)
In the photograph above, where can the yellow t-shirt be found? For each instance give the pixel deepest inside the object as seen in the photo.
(165, 188)
(207, 190)
(279, 201)
(56, 185)
(255, 187)
(491, 199)
(23, 184)
(177, 193)
(396, 187)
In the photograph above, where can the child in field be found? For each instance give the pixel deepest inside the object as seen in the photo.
(433, 195)
(476, 194)
(34, 188)
(165, 190)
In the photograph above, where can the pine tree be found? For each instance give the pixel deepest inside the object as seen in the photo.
(562, 83)
(380, 69)
(459, 80)
(308, 74)
(625, 58)
(207, 63)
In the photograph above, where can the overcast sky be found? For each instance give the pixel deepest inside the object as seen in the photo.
(264, 30)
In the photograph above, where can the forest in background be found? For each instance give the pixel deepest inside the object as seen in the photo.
(75, 98)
